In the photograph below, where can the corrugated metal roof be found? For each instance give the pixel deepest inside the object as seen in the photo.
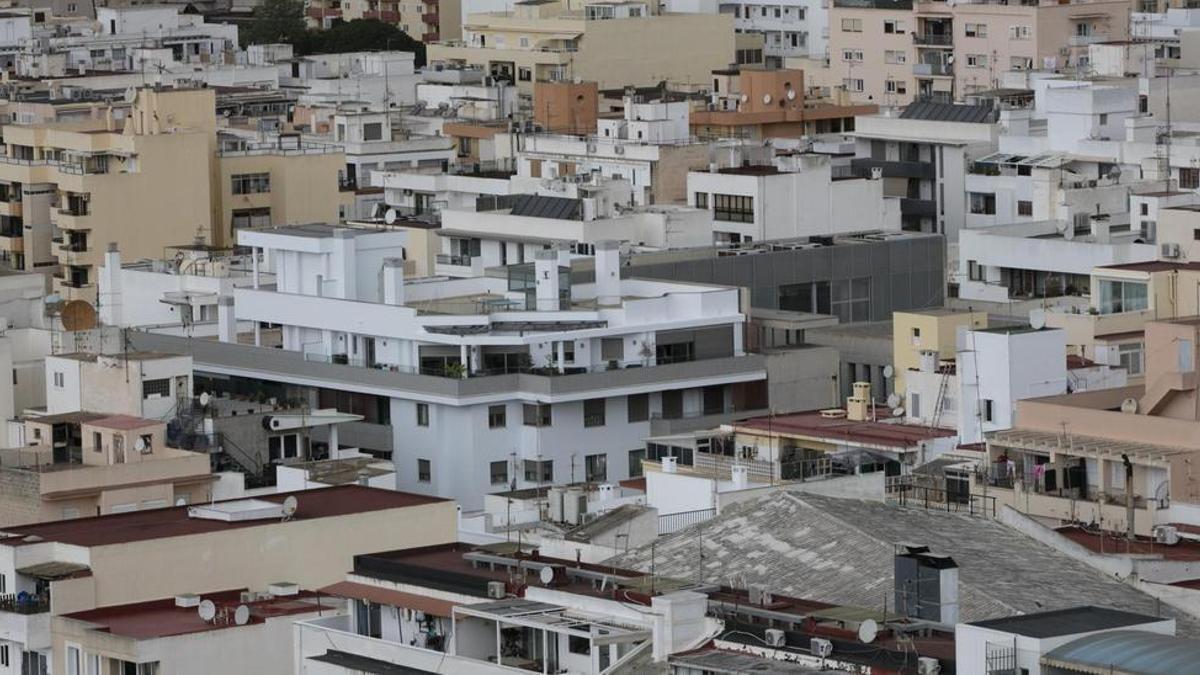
(537, 206)
(1126, 651)
(947, 112)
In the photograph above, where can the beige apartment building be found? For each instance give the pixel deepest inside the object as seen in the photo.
(894, 51)
(425, 20)
(1064, 460)
(162, 177)
(613, 44)
(83, 464)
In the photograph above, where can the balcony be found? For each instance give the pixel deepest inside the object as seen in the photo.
(893, 169)
(24, 603)
(1085, 40)
(918, 207)
(933, 39)
(430, 18)
(933, 70)
(384, 15)
(320, 13)
(430, 37)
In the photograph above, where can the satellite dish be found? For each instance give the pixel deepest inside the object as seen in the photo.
(889, 372)
(766, 98)
(745, 98)
(180, 502)
(1037, 318)
(390, 216)
(1129, 406)
(791, 94)
(1066, 230)
(893, 400)
(207, 610)
(546, 575)
(130, 94)
(241, 616)
(139, 444)
(52, 299)
(867, 631)
(205, 397)
(78, 315)
(289, 506)
(898, 411)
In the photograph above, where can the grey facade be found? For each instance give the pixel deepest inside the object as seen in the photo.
(902, 271)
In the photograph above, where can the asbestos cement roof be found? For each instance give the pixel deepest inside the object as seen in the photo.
(1126, 651)
(841, 551)
(947, 112)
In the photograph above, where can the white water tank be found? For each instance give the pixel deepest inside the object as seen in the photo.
(574, 505)
(669, 464)
(555, 497)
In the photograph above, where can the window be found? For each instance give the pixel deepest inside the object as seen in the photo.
(595, 468)
(895, 87)
(852, 55)
(283, 447)
(424, 470)
(593, 412)
(251, 183)
(1144, 209)
(539, 472)
(977, 60)
(639, 407)
(4, 655)
(982, 203)
(976, 30)
(580, 645)
(536, 414)
(97, 441)
(1019, 32)
(250, 218)
(1020, 63)
(523, 41)
(701, 200)
(895, 56)
(422, 414)
(1189, 178)
(373, 131)
(914, 404)
(891, 27)
(147, 444)
(497, 416)
(733, 208)
(3, 591)
(851, 25)
(635, 462)
(811, 297)
(524, 74)
(498, 472)
(1195, 235)
(156, 388)
(1024, 208)
(74, 660)
(853, 84)
(1122, 296)
(1130, 358)
(988, 410)
(58, 380)
(974, 271)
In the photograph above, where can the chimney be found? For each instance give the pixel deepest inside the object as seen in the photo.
(926, 585)
(608, 273)
(393, 281)
(226, 322)
(858, 406)
(669, 464)
(110, 286)
(545, 268)
(929, 361)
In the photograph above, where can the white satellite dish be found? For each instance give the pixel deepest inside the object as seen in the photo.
(867, 631)
(546, 575)
(180, 501)
(205, 397)
(390, 216)
(745, 98)
(241, 616)
(130, 95)
(889, 372)
(766, 99)
(893, 400)
(1129, 406)
(898, 411)
(289, 506)
(791, 94)
(1037, 318)
(207, 610)
(139, 444)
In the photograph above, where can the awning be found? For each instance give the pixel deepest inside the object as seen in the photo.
(386, 596)
(365, 664)
(49, 571)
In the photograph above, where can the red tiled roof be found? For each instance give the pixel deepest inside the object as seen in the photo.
(387, 596)
(161, 618)
(123, 528)
(1075, 362)
(634, 483)
(123, 422)
(812, 424)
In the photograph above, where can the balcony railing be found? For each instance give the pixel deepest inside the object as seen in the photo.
(459, 260)
(24, 603)
(933, 69)
(673, 522)
(933, 39)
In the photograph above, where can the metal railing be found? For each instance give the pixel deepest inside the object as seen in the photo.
(933, 39)
(673, 522)
(942, 500)
(460, 260)
(25, 603)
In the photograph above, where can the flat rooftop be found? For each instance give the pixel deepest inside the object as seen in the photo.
(1156, 266)
(123, 528)
(1069, 621)
(867, 432)
(162, 618)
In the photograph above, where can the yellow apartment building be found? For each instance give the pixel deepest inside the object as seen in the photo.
(614, 44)
(159, 178)
(425, 20)
(931, 330)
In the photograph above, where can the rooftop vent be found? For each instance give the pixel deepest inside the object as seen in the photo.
(187, 600)
(283, 588)
(239, 510)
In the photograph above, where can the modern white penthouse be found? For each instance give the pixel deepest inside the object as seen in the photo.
(484, 383)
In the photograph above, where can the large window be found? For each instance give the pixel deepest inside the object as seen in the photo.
(1189, 178)
(497, 416)
(596, 468)
(536, 415)
(733, 208)
(156, 388)
(539, 472)
(251, 218)
(656, 451)
(593, 412)
(250, 183)
(1130, 358)
(498, 472)
(811, 297)
(639, 407)
(982, 203)
(1122, 296)
(635, 462)
(422, 414)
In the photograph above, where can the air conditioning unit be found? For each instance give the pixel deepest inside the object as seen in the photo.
(928, 666)
(1170, 250)
(820, 647)
(775, 638)
(495, 590)
(1166, 534)
(619, 149)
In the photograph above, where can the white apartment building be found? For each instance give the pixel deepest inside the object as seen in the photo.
(797, 196)
(527, 380)
(373, 142)
(789, 29)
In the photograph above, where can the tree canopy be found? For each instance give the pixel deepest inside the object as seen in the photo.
(283, 21)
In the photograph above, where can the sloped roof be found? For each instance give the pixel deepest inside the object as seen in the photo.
(841, 551)
(537, 206)
(947, 112)
(1126, 651)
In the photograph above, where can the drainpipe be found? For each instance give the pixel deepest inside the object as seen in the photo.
(1129, 532)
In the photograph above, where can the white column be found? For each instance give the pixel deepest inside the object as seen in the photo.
(393, 281)
(226, 321)
(462, 356)
(546, 290)
(333, 441)
(562, 355)
(608, 273)
(254, 265)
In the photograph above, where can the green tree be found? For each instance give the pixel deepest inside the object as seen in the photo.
(276, 21)
(360, 35)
